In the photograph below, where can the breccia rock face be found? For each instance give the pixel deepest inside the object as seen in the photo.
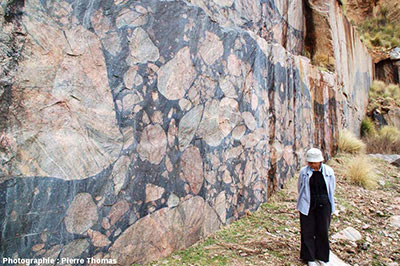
(61, 104)
(130, 129)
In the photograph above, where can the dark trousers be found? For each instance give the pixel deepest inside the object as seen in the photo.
(314, 230)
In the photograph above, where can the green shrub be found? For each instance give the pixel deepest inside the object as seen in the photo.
(386, 44)
(367, 127)
(384, 11)
(376, 41)
(395, 42)
(388, 29)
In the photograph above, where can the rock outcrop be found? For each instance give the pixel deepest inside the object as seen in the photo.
(130, 129)
(388, 70)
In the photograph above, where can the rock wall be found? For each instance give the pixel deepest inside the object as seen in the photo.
(130, 129)
(353, 64)
(354, 68)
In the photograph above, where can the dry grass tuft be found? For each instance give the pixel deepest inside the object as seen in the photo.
(382, 97)
(394, 91)
(377, 88)
(349, 143)
(389, 132)
(386, 141)
(382, 94)
(324, 61)
(339, 161)
(361, 171)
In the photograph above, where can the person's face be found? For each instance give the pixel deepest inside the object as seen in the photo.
(315, 166)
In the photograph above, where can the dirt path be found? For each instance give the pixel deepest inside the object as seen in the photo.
(271, 235)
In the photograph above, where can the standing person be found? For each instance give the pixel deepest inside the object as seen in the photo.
(316, 187)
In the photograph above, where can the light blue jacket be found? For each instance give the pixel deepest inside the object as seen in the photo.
(303, 187)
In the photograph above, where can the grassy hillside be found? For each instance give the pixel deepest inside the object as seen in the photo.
(380, 32)
(378, 23)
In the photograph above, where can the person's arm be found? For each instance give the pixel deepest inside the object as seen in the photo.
(299, 182)
(334, 182)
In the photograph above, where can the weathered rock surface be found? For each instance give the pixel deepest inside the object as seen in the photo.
(192, 168)
(81, 214)
(390, 158)
(63, 104)
(335, 261)
(188, 126)
(395, 221)
(163, 231)
(74, 248)
(129, 129)
(395, 54)
(393, 117)
(348, 233)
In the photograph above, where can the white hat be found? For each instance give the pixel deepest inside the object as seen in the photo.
(314, 155)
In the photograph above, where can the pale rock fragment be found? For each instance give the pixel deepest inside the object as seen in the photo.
(117, 211)
(192, 167)
(224, 3)
(188, 126)
(211, 48)
(153, 192)
(98, 239)
(177, 75)
(128, 17)
(249, 120)
(348, 233)
(220, 207)
(74, 249)
(81, 214)
(173, 200)
(142, 49)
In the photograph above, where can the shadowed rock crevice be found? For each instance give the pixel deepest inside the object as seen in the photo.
(318, 39)
(5, 102)
(310, 40)
(388, 70)
(12, 41)
(13, 10)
